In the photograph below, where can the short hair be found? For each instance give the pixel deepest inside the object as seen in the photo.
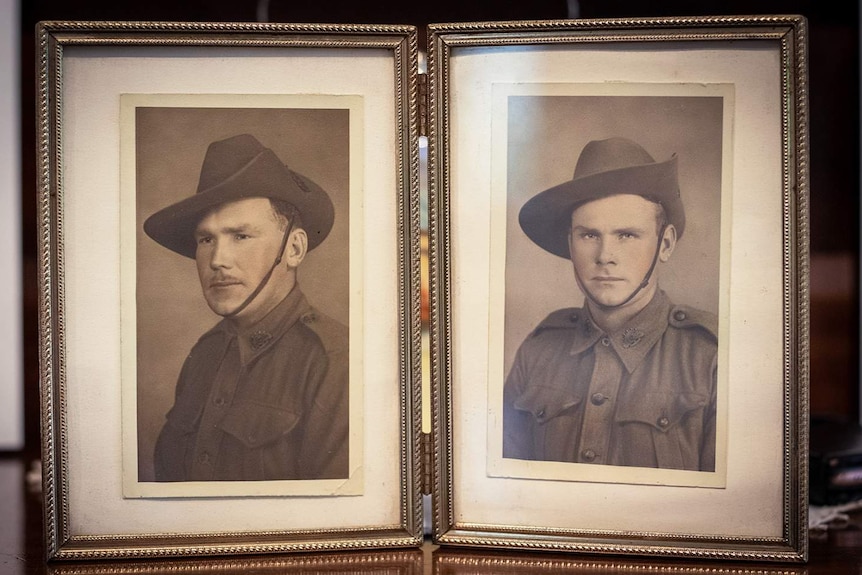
(285, 212)
(660, 216)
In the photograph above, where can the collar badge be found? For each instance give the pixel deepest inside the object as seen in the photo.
(632, 336)
(259, 339)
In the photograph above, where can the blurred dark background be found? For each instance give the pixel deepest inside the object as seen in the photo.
(834, 138)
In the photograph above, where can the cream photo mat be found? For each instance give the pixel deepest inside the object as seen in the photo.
(95, 78)
(751, 504)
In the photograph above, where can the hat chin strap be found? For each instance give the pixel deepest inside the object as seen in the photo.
(638, 289)
(268, 275)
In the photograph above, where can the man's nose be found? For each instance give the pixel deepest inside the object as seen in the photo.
(606, 253)
(220, 255)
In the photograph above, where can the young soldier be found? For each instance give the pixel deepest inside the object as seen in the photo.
(630, 378)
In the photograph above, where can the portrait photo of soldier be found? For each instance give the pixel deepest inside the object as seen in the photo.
(262, 392)
(629, 376)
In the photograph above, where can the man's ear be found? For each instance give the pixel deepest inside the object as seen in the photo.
(668, 243)
(296, 248)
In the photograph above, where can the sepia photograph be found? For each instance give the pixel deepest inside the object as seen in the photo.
(243, 240)
(242, 291)
(612, 280)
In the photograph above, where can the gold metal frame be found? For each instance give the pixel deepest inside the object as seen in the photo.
(786, 35)
(400, 562)
(62, 542)
(455, 562)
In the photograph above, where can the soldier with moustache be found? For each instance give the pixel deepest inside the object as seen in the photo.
(263, 395)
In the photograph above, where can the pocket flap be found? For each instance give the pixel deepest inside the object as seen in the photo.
(660, 410)
(546, 402)
(256, 424)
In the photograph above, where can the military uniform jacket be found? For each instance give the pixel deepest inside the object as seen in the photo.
(266, 403)
(644, 396)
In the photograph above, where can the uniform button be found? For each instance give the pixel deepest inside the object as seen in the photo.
(598, 398)
(606, 341)
(588, 455)
(204, 458)
(573, 318)
(309, 318)
(679, 315)
(251, 438)
(663, 422)
(540, 414)
(219, 401)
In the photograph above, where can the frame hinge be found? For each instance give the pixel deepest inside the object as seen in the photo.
(423, 104)
(427, 464)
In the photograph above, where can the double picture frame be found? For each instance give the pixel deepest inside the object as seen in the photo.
(156, 440)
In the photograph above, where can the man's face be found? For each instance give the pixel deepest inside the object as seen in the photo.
(612, 244)
(237, 243)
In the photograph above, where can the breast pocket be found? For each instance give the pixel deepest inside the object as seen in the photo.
(261, 442)
(555, 419)
(671, 423)
(256, 425)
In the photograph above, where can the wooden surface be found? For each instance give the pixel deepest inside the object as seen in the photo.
(21, 552)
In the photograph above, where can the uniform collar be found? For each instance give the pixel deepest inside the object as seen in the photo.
(633, 341)
(257, 338)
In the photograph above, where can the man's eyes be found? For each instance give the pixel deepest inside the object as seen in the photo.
(620, 235)
(204, 240)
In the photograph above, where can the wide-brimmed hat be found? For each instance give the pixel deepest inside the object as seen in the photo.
(604, 168)
(234, 169)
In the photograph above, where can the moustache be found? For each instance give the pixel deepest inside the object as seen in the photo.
(223, 280)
